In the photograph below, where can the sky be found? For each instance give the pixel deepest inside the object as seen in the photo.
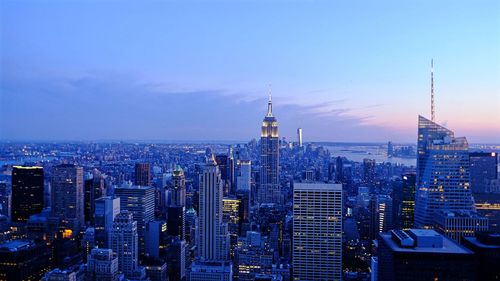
(202, 70)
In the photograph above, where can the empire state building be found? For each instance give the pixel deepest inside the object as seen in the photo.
(269, 189)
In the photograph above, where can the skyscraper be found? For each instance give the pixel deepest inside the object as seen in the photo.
(142, 174)
(222, 162)
(106, 209)
(483, 170)
(126, 245)
(299, 137)
(67, 195)
(178, 191)
(269, 188)
(317, 231)
(140, 201)
(244, 179)
(213, 239)
(93, 189)
(27, 192)
(442, 173)
(369, 172)
(407, 206)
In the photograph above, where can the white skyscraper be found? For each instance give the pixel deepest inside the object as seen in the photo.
(299, 137)
(317, 231)
(213, 238)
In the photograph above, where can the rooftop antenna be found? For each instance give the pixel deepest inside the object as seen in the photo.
(270, 104)
(433, 115)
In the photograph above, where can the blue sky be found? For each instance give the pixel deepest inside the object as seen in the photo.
(201, 70)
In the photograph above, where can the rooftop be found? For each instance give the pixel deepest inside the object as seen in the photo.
(426, 241)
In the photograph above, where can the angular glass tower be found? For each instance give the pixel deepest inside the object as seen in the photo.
(269, 191)
(443, 177)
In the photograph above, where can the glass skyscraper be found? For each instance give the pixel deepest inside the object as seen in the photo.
(442, 173)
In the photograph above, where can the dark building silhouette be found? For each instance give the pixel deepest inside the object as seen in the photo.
(24, 260)
(486, 246)
(483, 169)
(142, 174)
(27, 192)
(420, 254)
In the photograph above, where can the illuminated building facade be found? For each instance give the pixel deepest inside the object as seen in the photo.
(407, 207)
(317, 231)
(269, 188)
(27, 192)
(459, 225)
(443, 179)
(483, 170)
(67, 195)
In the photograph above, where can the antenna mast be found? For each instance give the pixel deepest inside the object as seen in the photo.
(433, 115)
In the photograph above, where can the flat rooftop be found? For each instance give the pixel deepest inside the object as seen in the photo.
(449, 246)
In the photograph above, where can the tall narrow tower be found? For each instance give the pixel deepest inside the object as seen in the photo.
(433, 116)
(269, 191)
(213, 239)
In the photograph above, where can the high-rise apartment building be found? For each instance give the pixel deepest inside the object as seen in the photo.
(317, 231)
(269, 188)
(67, 195)
(27, 192)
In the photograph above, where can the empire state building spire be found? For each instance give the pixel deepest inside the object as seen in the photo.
(270, 106)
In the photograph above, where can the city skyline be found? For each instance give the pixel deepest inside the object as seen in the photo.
(201, 71)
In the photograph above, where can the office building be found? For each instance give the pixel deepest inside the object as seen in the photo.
(407, 206)
(176, 259)
(102, 265)
(142, 174)
(244, 178)
(23, 260)
(27, 192)
(125, 244)
(176, 220)
(156, 238)
(140, 201)
(339, 170)
(210, 271)
(93, 189)
(213, 239)
(222, 162)
(458, 225)
(299, 137)
(317, 231)
(106, 209)
(369, 173)
(178, 190)
(269, 188)
(483, 170)
(67, 196)
(422, 254)
(443, 179)
(486, 246)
